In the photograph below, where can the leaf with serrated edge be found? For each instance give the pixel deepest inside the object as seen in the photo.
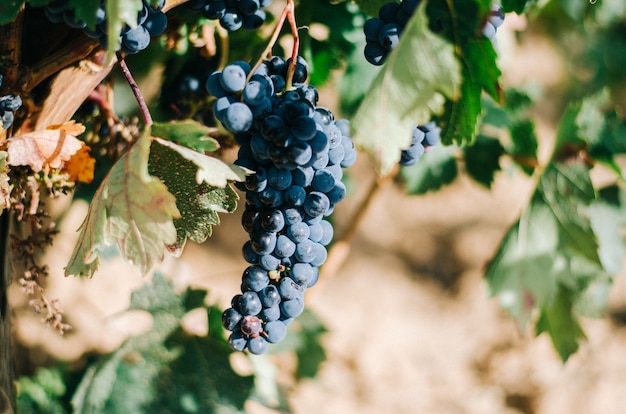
(189, 133)
(520, 271)
(131, 209)
(198, 202)
(210, 170)
(412, 86)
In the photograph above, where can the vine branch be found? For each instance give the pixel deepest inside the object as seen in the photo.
(133, 85)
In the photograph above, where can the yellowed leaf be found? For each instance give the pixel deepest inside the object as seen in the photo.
(81, 166)
(49, 148)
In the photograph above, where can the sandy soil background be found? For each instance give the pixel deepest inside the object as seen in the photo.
(411, 326)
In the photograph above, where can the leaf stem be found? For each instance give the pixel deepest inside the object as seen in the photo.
(145, 112)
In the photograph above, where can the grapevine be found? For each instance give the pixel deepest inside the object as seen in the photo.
(165, 115)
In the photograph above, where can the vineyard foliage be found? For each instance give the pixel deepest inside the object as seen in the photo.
(153, 186)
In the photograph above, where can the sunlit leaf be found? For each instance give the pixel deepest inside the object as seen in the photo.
(520, 273)
(557, 319)
(130, 209)
(199, 202)
(412, 86)
(189, 133)
(210, 170)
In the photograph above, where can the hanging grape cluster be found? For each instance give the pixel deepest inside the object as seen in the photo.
(297, 151)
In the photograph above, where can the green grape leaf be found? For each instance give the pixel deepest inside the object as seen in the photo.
(209, 170)
(163, 369)
(478, 61)
(482, 159)
(608, 220)
(370, 7)
(200, 380)
(567, 189)
(189, 133)
(516, 6)
(131, 209)
(304, 338)
(524, 145)
(520, 274)
(5, 186)
(458, 123)
(434, 169)
(9, 10)
(413, 84)
(558, 320)
(553, 243)
(85, 10)
(121, 381)
(42, 393)
(119, 13)
(198, 201)
(310, 351)
(603, 129)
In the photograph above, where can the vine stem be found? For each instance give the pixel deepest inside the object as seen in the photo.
(288, 13)
(133, 85)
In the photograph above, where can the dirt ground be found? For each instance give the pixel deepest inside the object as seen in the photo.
(411, 326)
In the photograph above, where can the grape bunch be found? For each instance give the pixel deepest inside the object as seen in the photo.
(297, 150)
(8, 105)
(422, 138)
(151, 22)
(382, 33)
(233, 14)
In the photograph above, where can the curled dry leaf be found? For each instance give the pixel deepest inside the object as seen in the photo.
(45, 149)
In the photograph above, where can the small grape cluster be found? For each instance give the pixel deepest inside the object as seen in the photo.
(151, 22)
(8, 105)
(233, 14)
(423, 138)
(382, 33)
(495, 20)
(297, 151)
